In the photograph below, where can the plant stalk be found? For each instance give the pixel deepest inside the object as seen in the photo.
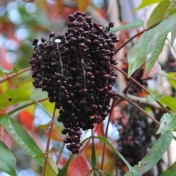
(48, 143)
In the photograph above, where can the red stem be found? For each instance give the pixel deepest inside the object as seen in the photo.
(48, 143)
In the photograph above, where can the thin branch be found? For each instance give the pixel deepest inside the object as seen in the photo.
(26, 105)
(141, 86)
(131, 82)
(123, 96)
(136, 82)
(15, 74)
(129, 40)
(143, 100)
(106, 134)
(60, 153)
(48, 142)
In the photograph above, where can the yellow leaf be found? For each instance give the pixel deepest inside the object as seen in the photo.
(83, 5)
(54, 135)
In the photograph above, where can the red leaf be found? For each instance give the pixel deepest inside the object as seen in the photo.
(79, 167)
(59, 5)
(99, 129)
(26, 119)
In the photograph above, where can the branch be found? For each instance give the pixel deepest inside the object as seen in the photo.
(48, 143)
(141, 86)
(106, 133)
(143, 101)
(15, 74)
(26, 105)
(123, 96)
(129, 40)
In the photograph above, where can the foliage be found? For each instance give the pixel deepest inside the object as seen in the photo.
(19, 101)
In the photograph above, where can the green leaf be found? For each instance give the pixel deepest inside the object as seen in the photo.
(42, 107)
(158, 13)
(63, 171)
(132, 170)
(13, 96)
(149, 46)
(152, 56)
(171, 171)
(145, 3)
(154, 155)
(154, 97)
(131, 25)
(171, 76)
(169, 101)
(173, 36)
(51, 168)
(15, 70)
(7, 160)
(20, 135)
(167, 123)
(166, 100)
(105, 174)
(171, 12)
(93, 156)
(138, 53)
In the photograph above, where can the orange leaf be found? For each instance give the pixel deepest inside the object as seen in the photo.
(79, 166)
(54, 135)
(26, 119)
(99, 128)
(59, 5)
(83, 5)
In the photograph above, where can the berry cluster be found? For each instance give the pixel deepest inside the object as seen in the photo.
(136, 137)
(75, 71)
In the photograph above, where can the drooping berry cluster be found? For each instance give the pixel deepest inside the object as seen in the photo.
(75, 71)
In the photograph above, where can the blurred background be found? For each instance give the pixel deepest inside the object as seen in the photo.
(23, 20)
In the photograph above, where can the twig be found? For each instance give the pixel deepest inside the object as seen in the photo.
(130, 83)
(48, 142)
(143, 100)
(26, 105)
(122, 96)
(60, 153)
(129, 40)
(15, 74)
(136, 82)
(141, 86)
(106, 134)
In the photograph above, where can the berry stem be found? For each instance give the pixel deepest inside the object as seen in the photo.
(15, 74)
(84, 73)
(141, 86)
(60, 59)
(48, 142)
(60, 153)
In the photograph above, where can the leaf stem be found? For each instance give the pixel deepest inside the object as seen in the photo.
(15, 74)
(60, 153)
(48, 142)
